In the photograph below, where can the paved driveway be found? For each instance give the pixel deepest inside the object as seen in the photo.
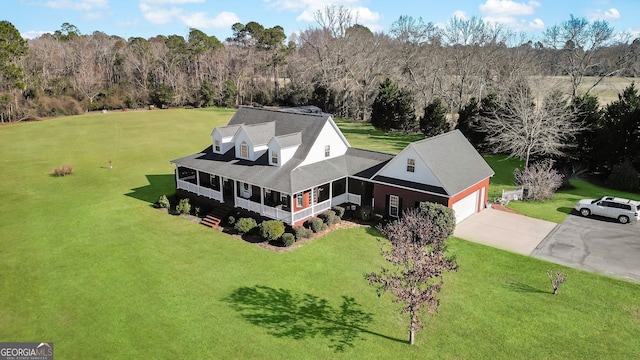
(596, 245)
(503, 230)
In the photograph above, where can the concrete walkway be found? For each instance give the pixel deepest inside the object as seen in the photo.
(512, 232)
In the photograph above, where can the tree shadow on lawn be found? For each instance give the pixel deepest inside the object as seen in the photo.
(163, 184)
(300, 316)
(520, 287)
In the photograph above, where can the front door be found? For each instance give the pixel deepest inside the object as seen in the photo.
(227, 191)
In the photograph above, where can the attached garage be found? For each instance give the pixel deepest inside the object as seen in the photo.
(467, 206)
(444, 169)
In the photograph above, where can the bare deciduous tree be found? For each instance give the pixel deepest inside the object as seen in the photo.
(418, 262)
(581, 44)
(523, 129)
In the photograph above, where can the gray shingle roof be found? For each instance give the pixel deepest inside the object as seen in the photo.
(308, 125)
(260, 134)
(226, 131)
(453, 160)
(290, 140)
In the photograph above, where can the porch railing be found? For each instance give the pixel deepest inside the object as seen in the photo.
(354, 199)
(200, 190)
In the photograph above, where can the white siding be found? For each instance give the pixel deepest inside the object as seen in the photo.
(329, 135)
(284, 154)
(226, 143)
(397, 168)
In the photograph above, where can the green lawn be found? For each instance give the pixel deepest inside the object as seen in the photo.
(87, 263)
(557, 208)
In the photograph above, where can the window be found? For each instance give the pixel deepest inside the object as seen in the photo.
(274, 157)
(299, 200)
(327, 150)
(244, 150)
(411, 165)
(217, 145)
(394, 203)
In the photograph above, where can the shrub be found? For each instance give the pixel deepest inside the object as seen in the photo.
(245, 225)
(288, 239)
(302, 232)
(163, 202)
(442, 217)
(329, 217)
(63, 170)
(624, 177)
(339, 210)
(271, 229)
(316, 224)
(231, 220)
(183, 207)
(539, 181)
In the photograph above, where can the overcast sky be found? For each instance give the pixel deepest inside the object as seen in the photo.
(148, 18)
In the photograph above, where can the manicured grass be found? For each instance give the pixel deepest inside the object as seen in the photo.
(87, 263)
(557, 208)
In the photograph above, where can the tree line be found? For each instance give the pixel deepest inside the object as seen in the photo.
(338, 65)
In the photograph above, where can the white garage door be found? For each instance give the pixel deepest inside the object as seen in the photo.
(466, 207)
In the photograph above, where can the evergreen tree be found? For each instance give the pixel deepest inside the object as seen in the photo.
(619, 137)
(434, 121)
(393, 108)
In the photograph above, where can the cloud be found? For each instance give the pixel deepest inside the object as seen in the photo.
(512, 14)
(508, 8)
(80, 5)
(34, 34)
(308, 8)
(460, 15)
(164, 11)
(159, 16)
(171, 2)
(201, 20)
(611, 14)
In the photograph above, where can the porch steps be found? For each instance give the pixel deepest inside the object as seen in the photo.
(215, 217)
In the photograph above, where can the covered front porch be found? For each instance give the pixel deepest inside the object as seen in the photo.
(291, 209)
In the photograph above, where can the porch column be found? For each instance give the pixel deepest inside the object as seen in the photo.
(177, 176)
(261, 200)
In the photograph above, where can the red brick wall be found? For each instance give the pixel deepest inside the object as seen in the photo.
(408, 197)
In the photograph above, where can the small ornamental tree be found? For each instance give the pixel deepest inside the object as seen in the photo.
(540, 180)
(416, 253)
(556, 280)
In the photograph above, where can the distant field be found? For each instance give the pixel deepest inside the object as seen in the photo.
(87, 263)
(607, 90)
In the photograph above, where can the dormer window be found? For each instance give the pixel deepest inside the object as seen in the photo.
(274, 157)
(327, 150)
(411, 165)
(216, 145)
(244, 150)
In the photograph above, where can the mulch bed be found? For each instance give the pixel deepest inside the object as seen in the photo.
(275, 247)
(504, 208)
